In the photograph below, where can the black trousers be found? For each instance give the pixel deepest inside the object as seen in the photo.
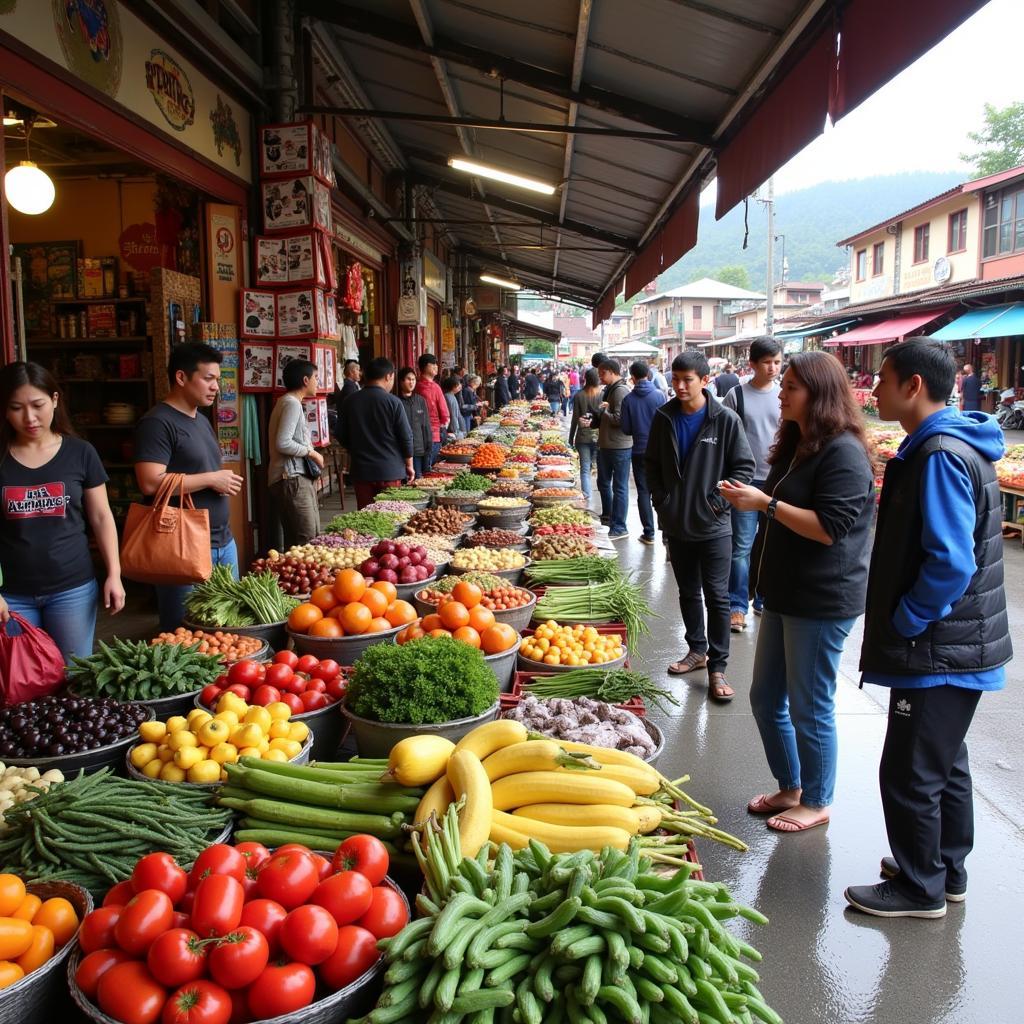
(701, 569)
(925, 781)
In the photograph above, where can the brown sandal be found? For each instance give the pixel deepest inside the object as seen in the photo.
(690, 663)
(718, 688)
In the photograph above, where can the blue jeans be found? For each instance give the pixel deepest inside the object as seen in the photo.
(744, 530)
(643, 494)
(792, 695)
(613, 485)
(588, 458)
(69, 616)
(419, 465)
(435, 451)
(556, 405)
(170, 599)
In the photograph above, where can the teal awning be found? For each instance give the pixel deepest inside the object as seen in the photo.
(989, 322)
(806, 332)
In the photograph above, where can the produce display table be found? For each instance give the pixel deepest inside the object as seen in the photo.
(1012, 509)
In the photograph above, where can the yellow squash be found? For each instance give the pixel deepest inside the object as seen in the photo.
(435, 800)
(643, 782)
(485, 739)
(563, 838)
(534, 756)
(419, 760)
(558, 788)
(635, 820)
(469, 780)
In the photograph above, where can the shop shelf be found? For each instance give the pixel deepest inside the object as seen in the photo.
(90, 302)
(133, 340)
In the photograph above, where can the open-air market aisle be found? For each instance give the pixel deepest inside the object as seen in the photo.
(825, 963)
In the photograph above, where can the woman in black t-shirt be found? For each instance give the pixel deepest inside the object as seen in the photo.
(51, 485)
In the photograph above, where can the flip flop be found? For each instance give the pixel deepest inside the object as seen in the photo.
(794, 826)
(690, 663)
(761, 804)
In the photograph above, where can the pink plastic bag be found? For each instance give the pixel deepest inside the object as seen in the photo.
(31, 664)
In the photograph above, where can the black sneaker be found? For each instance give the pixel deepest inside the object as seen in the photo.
(757, 611)
(890, 869)
(606, 520)
(649, 541)
(884, 900)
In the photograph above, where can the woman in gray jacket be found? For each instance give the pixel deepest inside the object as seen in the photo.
(293, 490)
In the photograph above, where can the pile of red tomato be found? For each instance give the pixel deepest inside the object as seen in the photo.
(245, 935)
(304, 684)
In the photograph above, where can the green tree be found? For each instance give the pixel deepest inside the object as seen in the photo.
(734, 274)
(1002, 140)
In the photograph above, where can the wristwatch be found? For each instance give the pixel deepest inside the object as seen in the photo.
(770, 510)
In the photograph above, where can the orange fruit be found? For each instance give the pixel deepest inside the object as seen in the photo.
(497, 638)
(432, 621)
(389, 590)
(323, 598)
(349, 585)
(411, 632)
(480, 618)
(400, 613)
(467, 593)
(303, 616)
(327, 626)
(453, 614)
(439, 632)
(375, 601)
(468, 635)
(379, 625)
(356, 618)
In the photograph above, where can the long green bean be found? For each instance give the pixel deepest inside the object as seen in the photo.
(617, 600)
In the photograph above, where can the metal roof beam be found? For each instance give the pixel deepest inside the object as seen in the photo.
(404, 36)
(487, 259)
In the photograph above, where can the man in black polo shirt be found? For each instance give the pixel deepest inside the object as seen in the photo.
(373, 427)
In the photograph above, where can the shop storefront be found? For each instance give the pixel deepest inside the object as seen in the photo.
(145, 239)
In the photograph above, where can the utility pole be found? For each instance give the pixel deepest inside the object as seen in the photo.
(769, 312)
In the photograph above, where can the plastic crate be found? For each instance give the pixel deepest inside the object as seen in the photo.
(691, 856)
(521, 679)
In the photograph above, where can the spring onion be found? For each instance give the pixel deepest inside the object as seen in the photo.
(618, 600)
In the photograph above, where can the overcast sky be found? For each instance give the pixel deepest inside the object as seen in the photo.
(919, 121)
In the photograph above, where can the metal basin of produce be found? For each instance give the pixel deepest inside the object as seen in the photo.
(37, 998)
(302, 757)
(503, 665)
(272, 633)
(375, 739)
(543, 481)
(659, 741)
(518, 618)
(450, 501)
(512, 575)
(343, 649)
(406, 590)
(462, 459)
(503, 519)
(529, 665)
(546, 501)
(109, 756)
(522, 548)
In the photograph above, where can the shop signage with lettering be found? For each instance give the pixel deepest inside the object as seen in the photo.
(170, 88)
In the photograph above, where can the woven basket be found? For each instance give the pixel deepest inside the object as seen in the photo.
(37, 998)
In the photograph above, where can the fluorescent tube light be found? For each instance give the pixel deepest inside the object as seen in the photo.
(495, 173)
(501, 282)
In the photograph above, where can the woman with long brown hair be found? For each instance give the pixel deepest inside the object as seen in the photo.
(811, 564)
(52, 485)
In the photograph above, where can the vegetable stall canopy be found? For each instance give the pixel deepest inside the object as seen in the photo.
(551, 89)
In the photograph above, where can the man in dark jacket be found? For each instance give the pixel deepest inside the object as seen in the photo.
(373, 426)
(419, 418)
(531, 385)
(501, 393)
(694, 443)
(638, 409)
(514, 382)
(935, 630)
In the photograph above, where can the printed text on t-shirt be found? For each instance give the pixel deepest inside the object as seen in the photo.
(35, 502)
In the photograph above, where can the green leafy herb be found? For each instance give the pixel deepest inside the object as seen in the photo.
(376, 524)
(134, 670)
(466, 481)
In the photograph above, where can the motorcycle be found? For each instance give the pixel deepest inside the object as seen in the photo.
(1010, 413)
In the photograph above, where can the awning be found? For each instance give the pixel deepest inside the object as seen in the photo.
(633, 348)
(806, 332)
(989, 322)
(522, 329)
(894, 329)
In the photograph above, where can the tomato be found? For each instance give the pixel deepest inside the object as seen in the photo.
(289, 658)
(289, 878)
(387, 915)
(239, 690)
(160, 871)
(336, 688)
(118, 895)
(307, 663)
(246, 672)
(354, 955)
(296, 847)
(219, 859)
(181, 919)
(365, 854)
(176, 957)
(313, 701)
(239, 1006)
(97, 930)
(309, 935)
(345, 896)
(187, 901)
(209, 694)
(145, 916)
(199, 1002)
(264, 695)
(316, 686)
(323, 866)
(266, 917)
(255, 854)
(95, 965)
(240, 957)
(278, 674)
(281, 988)
(218, 905)
(294, 702)
(129, 993)
(294, 684)
(326, 670)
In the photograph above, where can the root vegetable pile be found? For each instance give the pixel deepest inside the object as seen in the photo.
(582, 720)
(438, 520)
(230, 646)
(487, 558)
(494, 538)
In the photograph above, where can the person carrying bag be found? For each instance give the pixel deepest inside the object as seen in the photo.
(165, 543)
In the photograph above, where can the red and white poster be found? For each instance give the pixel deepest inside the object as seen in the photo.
(38, 501)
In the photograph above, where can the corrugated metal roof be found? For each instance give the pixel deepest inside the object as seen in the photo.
(705, 288)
